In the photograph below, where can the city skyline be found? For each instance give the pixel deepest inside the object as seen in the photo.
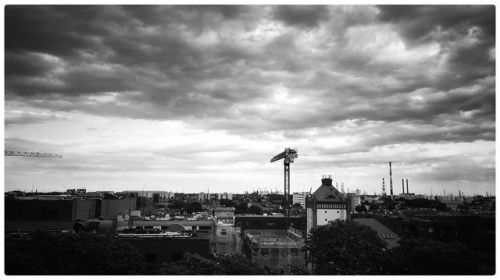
(193, 97)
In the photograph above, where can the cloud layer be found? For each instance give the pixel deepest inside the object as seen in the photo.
(340, 82)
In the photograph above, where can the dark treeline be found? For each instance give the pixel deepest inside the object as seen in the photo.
(349, 248)
(337, 248)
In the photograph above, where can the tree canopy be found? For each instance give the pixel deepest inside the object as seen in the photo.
(227, 203)
(193, 264)
(345, 247)
(432, 257)
(70, 254)
(349, 248)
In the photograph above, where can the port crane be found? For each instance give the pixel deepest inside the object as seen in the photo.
(30, 154)
(288, 156)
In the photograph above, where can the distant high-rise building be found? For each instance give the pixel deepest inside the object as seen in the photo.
(299, 197)
(201, 196)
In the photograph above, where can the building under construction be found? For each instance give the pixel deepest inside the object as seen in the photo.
(274, 248)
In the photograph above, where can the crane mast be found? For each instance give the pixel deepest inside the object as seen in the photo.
(288, 156)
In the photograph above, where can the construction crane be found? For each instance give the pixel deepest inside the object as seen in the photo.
(30, 154)
(288, 156)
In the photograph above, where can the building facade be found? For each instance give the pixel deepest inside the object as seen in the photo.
(300, 197)
(274, 248)
(326, 204)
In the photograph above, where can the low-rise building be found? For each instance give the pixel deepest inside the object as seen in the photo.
(224, 215)
(325, 204)
(227, 239)
(274, 248)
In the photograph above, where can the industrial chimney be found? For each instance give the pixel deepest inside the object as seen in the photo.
(407, 186)
(390, 176)
(403, 185)
(383, 186)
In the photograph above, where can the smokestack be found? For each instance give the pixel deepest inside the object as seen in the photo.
(403, 184)
(390, 176)
(407, 191)
(383, 186)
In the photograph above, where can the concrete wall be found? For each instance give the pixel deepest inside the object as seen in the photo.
(85, 209)
(36, 210)
(310, 219)
(110, 208)
(326, 215)
(228, 240)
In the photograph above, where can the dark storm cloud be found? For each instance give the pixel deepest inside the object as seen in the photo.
(306, 16)
(119, 55)
(182, 62)
(447, 25)
(416, 22)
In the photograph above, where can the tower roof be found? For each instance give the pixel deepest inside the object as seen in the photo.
(327, 192)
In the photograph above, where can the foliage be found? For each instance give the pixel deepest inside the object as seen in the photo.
(241, 208)
(388, 203)
(189, 208)
(178, 204)
(227, 203)
(275, 198)
(193, 207)
(374, 206)
(297, 209)
(254, 209)
(360, 208)
(299, 269)
(424, 257)
(193, 264)
(71, 254)
(255, 197)
(347, 248)
(423, 203)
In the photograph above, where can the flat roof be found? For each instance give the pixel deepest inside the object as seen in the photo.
(180, 222)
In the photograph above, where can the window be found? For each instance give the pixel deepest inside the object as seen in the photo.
(223, 231)
(326, 220)
(325, 212)
(338, 211)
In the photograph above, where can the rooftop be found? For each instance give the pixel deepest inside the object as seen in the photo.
(327, 192)
(384, 233)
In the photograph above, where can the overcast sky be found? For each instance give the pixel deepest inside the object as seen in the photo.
(191, 98)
